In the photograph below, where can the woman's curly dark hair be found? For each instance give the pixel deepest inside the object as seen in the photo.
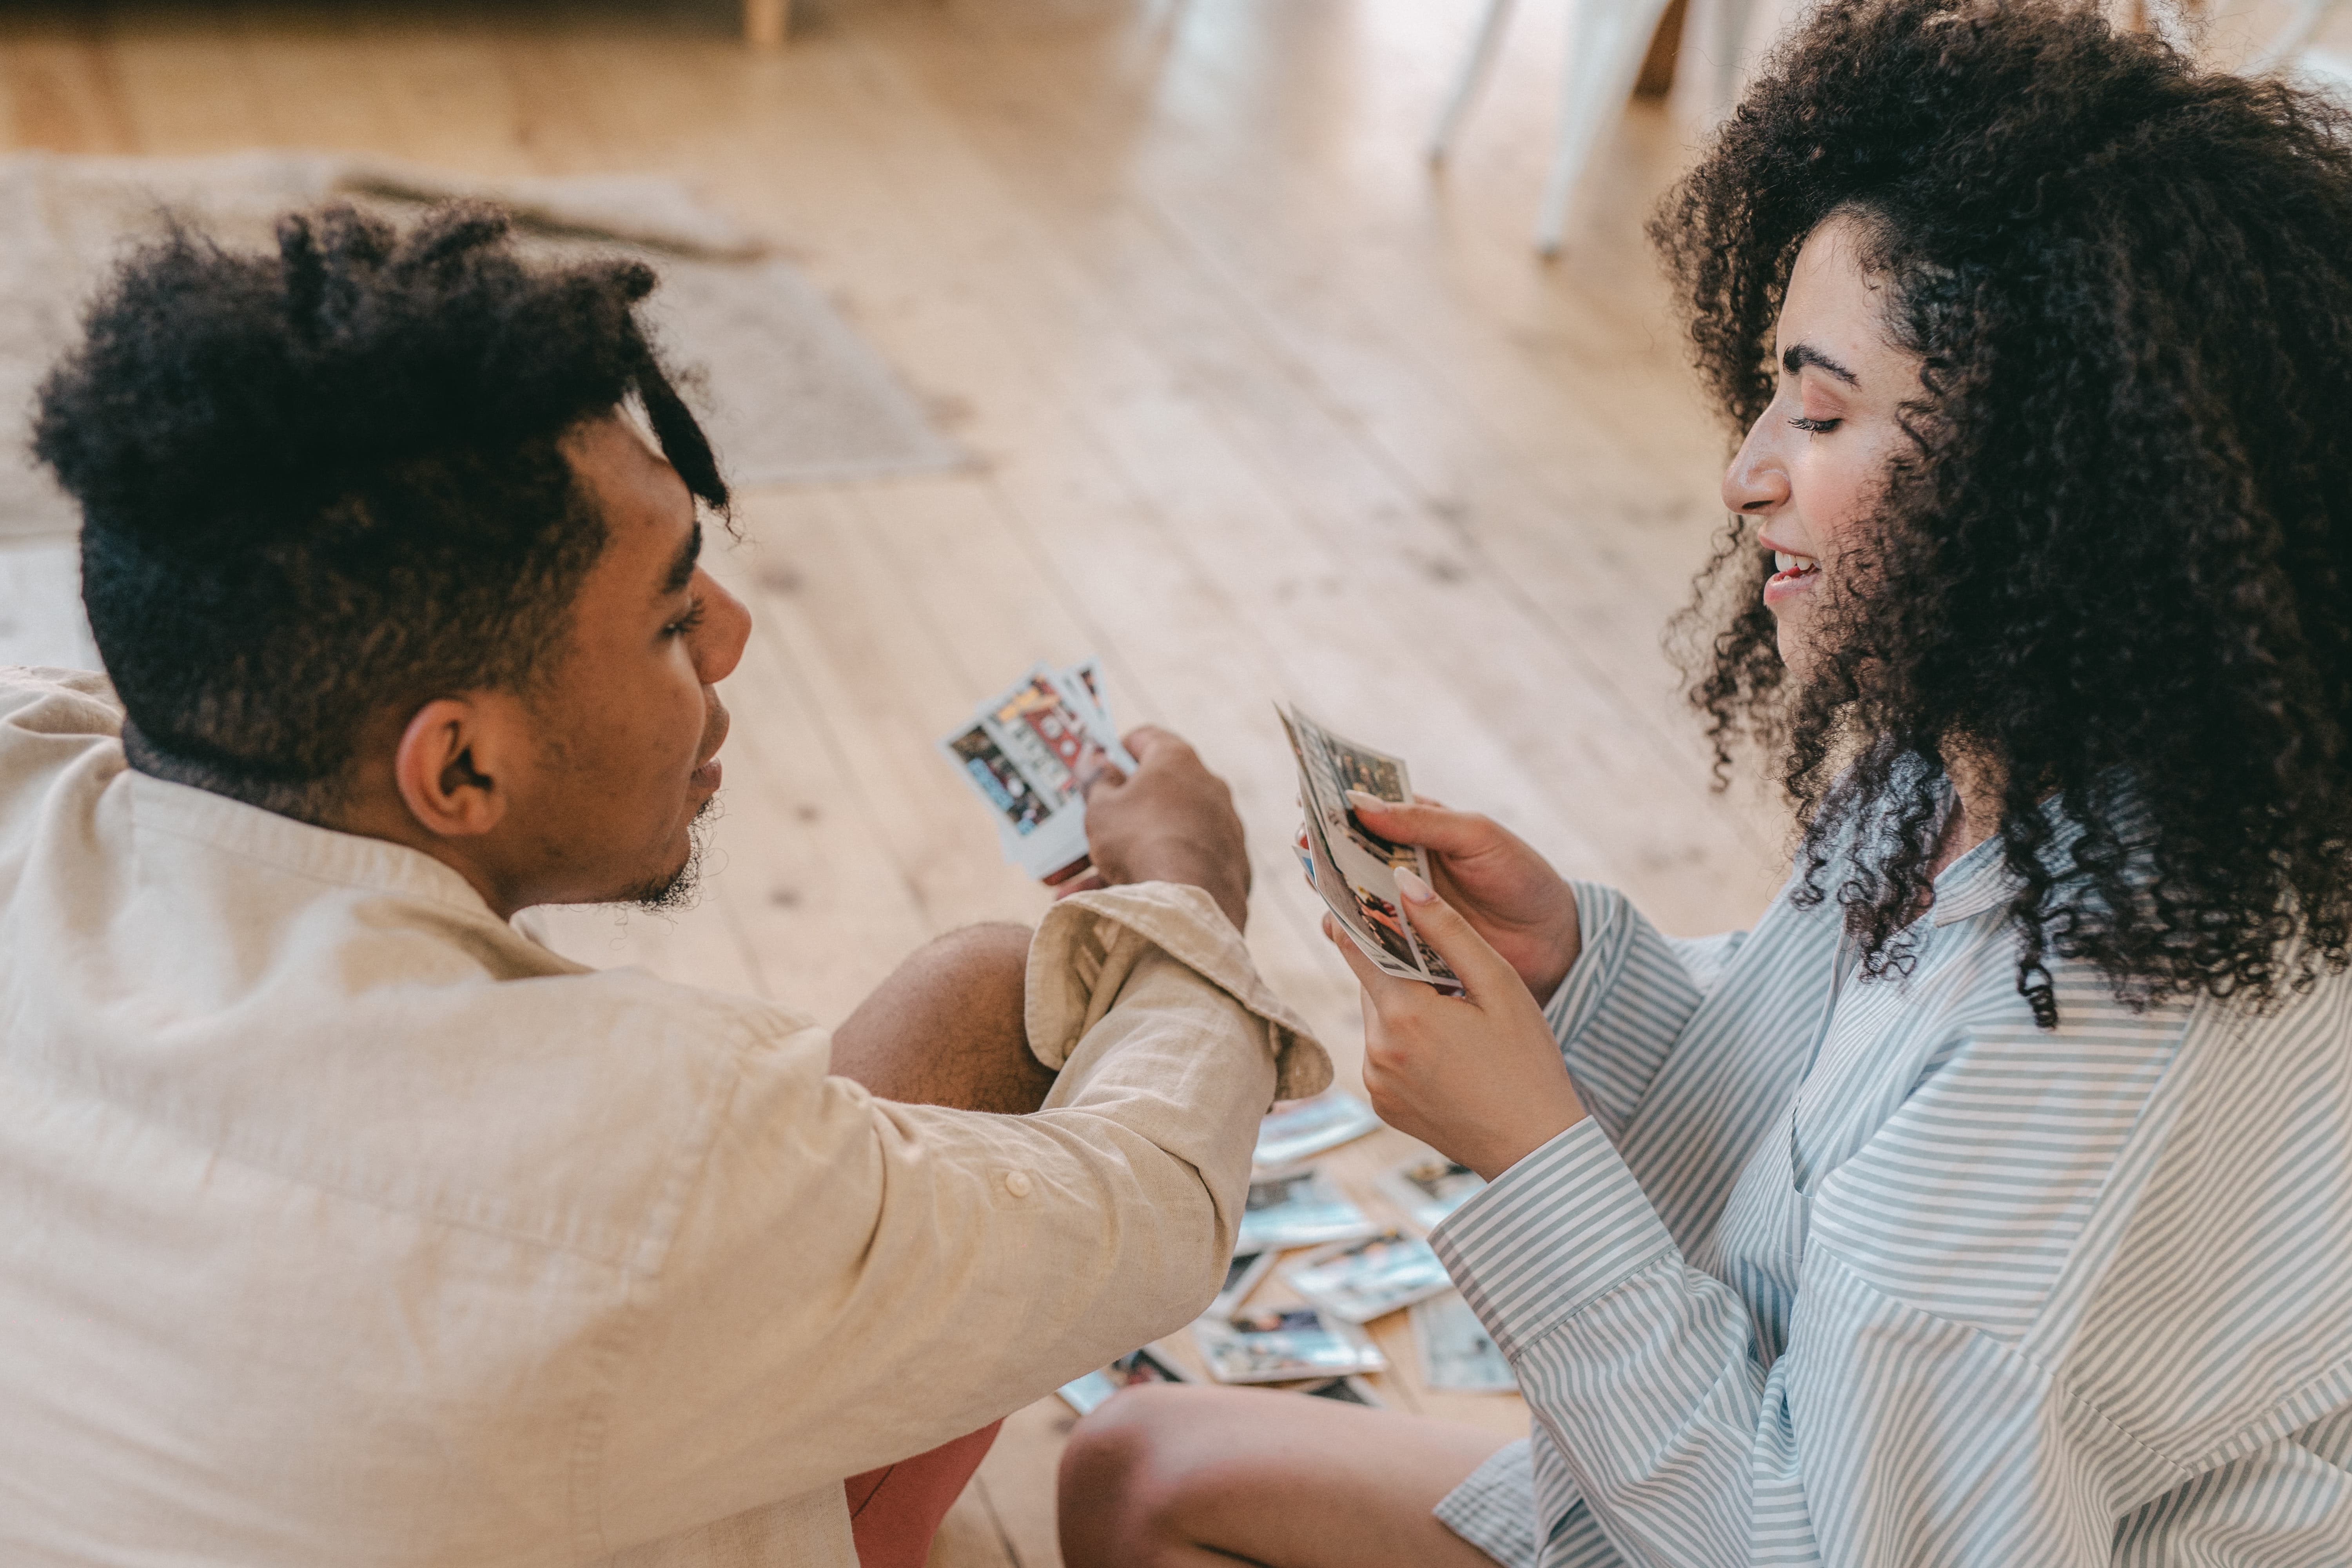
(326, 481)
(2115, 560)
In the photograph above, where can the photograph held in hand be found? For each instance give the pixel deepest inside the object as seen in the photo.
(1352, 868)
(1043, 754)
(1029, 752)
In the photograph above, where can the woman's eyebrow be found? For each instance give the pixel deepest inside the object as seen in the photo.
(1799, 355)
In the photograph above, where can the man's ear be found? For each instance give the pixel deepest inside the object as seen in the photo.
(449, 765)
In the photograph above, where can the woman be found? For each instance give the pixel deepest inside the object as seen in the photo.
(1991, 1201)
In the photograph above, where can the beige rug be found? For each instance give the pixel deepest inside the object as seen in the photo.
(793, 393)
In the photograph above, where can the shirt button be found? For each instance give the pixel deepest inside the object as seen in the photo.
(1017, 1184)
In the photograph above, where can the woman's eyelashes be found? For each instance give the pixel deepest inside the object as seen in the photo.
(1815, 427)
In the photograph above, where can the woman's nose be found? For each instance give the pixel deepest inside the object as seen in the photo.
(1757, 481)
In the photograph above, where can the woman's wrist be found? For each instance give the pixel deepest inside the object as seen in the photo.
(1566, 946)
(1535, 1125)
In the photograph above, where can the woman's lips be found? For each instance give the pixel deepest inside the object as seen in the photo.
(1796, 574)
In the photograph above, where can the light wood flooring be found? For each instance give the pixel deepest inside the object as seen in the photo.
(1259, 408)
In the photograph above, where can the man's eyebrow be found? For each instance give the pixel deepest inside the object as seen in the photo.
(1799, 355)
(681, 568)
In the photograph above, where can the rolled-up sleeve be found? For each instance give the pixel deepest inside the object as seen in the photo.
(854, 1280)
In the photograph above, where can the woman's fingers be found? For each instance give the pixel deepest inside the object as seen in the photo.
(1423, 823)
(1380, 986)
(1471, 957)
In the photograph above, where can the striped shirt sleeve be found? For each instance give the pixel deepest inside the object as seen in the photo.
(1636, 1366)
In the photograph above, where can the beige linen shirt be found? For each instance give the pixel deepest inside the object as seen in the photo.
(342, 1224)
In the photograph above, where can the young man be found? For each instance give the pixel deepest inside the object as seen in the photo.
(344, 1223)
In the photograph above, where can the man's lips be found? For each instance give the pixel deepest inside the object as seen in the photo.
(711, 769)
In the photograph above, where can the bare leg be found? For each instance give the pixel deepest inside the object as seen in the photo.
(1164, 1477)
(946, 1027)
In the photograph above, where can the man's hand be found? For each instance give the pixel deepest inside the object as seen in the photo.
(1171, 821)
(1478, 1078)
(1510, 894)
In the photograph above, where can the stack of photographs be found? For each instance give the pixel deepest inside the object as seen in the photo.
(1282, 1345)
(1429, 1189)
(1352, 867)
(1299, 1208)
(1457, 1354)
(1083, 1395)
(1024, 752)
(1357, 1281)
(1303, 1128)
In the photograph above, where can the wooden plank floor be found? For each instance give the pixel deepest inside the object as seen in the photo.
(1260, 408)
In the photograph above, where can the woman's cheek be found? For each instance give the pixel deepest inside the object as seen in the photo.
(1826, 493)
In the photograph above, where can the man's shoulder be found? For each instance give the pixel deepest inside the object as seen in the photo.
(412, 1058)
(577, 1103)
(573, 1090)
(566, 1108)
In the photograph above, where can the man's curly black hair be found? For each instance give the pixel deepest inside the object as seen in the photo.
(325, 483)
(2116, 563)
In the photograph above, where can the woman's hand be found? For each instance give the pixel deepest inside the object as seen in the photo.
(1508, 893)
(1478, 1078)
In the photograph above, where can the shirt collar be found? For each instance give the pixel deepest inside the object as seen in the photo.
(1977, 881)
(1980, 879)
(321, 854)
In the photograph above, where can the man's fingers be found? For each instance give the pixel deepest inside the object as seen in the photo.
(1431, 826)
(1094, 768)
(1146, 738)
(1084, 881)
(1465, 953)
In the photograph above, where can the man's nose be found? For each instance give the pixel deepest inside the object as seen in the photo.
(726, 627)
(1757, 482)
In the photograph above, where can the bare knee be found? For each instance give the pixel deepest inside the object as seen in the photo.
(1128, 1484)
(980, 975)
(948, 1027)
(990, 959)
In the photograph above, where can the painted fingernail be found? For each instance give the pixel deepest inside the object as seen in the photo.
(1414, 887)
(1363, 801)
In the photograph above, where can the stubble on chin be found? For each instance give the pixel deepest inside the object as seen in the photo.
(679, 891)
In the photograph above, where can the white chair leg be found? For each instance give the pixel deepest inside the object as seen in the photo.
(1475, 67)
(2291, 37)
(1607, 40)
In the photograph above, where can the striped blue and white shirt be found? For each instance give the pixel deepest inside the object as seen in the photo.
(1854, 1271)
